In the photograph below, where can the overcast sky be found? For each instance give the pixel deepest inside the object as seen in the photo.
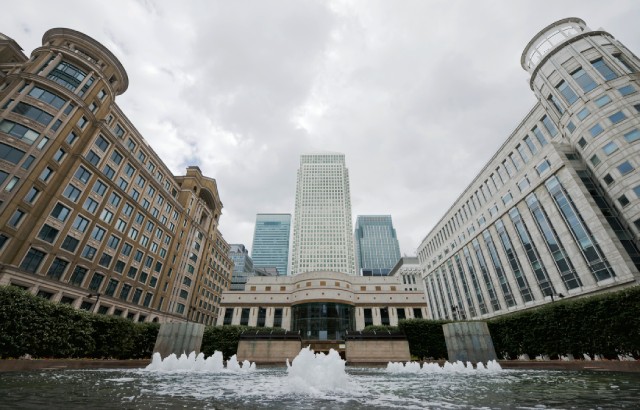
(417, 94)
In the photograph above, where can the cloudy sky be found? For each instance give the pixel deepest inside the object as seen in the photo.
(417, 94)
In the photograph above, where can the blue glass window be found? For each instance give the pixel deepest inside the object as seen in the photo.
(626, 90)
(625, 168)
(583, 113)
(602, 101)
(617, 117)
(596, 130)
(567, 93)
(632, 136)
(584, 80)
(604, 70)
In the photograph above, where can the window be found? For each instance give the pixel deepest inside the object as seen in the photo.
(584, 80)
(102, 143)
(623, 61)
(101, 94)
(124, 292)
(129, 170)
(106, 216)
(96, 281)
(131, 145)
(625, 168)
(71, 138)
(11, 154)
(140, 181)
(48, 233)
(111, 287)
(539, 136)
(33, 113)
(139, 218)
(32, 195)
(98, 233)
(626, 90)
(57, 268)
(555, 103)
(32, 260)
(583, 113)
(610, 148)
(59, 155)
(82, 122)
(523, 184)
(133, 233)
(60, 212)
(72, 193)
(550, 126)
(46, 174)
(70, 243)
(19, 131)
(90, 205)
(571, 126)
(99, 188)
(567, 93)
(82, 174)
(68, 110)
(506, 198)
(47, 97)
(113, 242)
(542, 167)
(623, 200)
(119, 132)
(141, 156)
(93, 158)
(108, 172)
(596, 130)
(602, 101)
(78, 275)
(595, 160)
(617, 117)
(632, 136)
(636, 191)
(582, 142)
(80, 223)
(608, 179)
(134, 194)
(123, 184)
(605, 71)
(105, 260)
(126, 249)
(89, 252)
(114, 199)
(27, 162)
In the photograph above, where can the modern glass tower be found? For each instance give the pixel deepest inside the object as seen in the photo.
(271, 242)
(242, 266)
(377, 248)
(322, 238)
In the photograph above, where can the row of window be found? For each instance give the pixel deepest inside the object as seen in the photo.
(470, 283)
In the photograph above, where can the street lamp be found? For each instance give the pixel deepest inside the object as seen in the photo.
(97, 295)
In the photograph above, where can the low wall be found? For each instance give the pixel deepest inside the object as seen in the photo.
(377, 351)
(268, 351)
(179, 338)
(469, 341)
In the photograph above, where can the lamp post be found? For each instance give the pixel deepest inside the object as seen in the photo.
(97, 295)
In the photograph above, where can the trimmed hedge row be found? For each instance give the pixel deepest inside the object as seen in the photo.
(34, 326)
(607, 324)
(226, 338)
(425, 337)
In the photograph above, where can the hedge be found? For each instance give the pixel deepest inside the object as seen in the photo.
(226, 338)
(425, 337)
(607, 324)
(40, 328)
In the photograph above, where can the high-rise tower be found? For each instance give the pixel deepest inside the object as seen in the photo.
(322, 238)
(377, 248)
(271, 242)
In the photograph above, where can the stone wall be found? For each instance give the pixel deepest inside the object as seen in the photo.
(469, 341)
(377, 351)
(268, 351)
(179, 338)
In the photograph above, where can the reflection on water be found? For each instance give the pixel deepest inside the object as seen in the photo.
(271, 388)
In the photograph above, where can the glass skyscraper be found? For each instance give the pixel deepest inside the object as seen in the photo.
(271, 242)
(322, 236)
(377, 248)
(242, 266)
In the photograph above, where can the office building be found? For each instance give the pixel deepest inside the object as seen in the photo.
(89, 214)
(322, 305)
(322, 229)
(270, 247)
(242, 266)
(555, 213)
(377, 249)
(408, 268)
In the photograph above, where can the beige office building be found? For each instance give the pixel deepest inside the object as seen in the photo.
(89, 214)
(556, 212)
(322, 305)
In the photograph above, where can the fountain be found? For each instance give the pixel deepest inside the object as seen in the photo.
(312, 381)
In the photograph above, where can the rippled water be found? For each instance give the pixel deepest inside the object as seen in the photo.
(271, 388)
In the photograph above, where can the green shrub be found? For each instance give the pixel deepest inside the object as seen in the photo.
(35, 326)
(425, 337)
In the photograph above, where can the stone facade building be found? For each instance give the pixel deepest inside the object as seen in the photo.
(89, 214)
(322, 305)
(556, 211)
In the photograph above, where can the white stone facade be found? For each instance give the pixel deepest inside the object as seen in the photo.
(556, 211)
